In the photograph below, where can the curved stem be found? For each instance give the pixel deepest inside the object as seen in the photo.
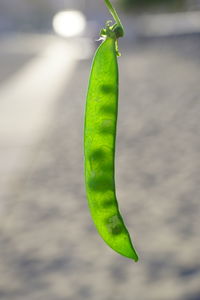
(114, 14)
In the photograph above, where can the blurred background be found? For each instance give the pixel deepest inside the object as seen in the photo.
(49, 248)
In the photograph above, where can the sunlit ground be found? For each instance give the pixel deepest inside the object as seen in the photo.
(49, 248)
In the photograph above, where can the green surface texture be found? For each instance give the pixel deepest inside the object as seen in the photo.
(99, 149)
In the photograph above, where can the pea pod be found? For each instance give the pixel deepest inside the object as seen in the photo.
(99, 142)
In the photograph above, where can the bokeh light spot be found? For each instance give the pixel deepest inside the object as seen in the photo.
(69, 23)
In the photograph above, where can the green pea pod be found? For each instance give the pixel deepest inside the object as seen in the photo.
(99, 145)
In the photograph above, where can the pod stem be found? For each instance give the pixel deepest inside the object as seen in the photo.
(114, 14)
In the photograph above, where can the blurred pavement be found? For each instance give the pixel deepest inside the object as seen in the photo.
(49, 247)
(28, 96)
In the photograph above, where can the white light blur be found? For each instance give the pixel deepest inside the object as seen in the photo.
(69, 23)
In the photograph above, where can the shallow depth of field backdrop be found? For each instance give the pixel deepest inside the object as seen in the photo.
(49, 248)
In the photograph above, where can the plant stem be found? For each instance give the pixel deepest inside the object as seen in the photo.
(114, 14)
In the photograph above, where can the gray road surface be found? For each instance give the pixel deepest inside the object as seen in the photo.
(49, 247)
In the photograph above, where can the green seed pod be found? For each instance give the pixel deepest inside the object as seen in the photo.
(99, 145)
